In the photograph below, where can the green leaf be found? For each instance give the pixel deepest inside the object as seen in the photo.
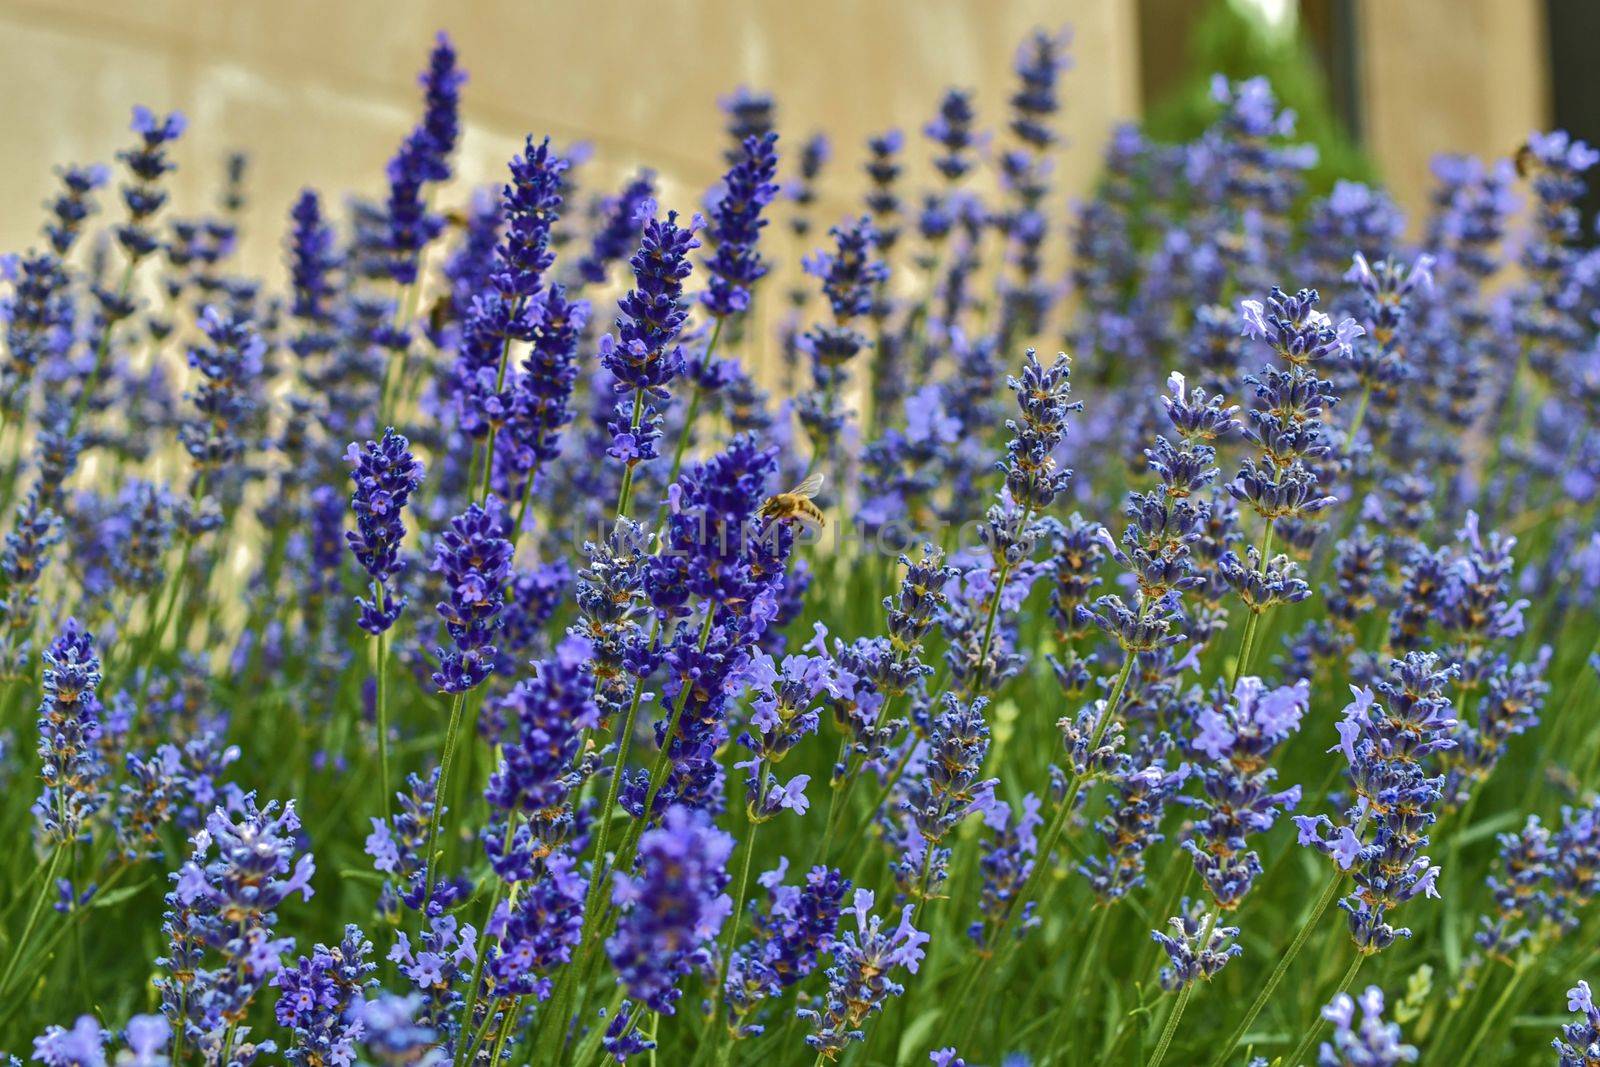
(112, 897)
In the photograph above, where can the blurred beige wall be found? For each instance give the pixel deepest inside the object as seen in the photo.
(320, 93)
(1449, 76)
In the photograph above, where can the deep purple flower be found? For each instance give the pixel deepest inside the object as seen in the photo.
(423, 158)
(859, 982)
(734, 227)
(385, 474)
(315, 997)
(798, 924)
(672, 910)
(546, 716)
(69, 731)
(530, 937)
(474, 559)
(643, 356)
(221, 915)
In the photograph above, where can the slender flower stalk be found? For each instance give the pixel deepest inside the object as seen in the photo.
(385, 475)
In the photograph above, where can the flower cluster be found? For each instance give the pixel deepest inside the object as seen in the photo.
(672, 909)
(643, 356)
(1387, 746)
(386, 474)
(1370, 1042)
(69, 731)
(734, 227)
(859, 982)
(798, 925)
(1236, 734)
(221, 946)
(474, 559)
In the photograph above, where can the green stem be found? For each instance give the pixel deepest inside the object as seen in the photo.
(19, 951)
(1282, 968)
(1183, 998)
(625, 494)
(1080, 978)
(381, 700)
(733, 921)
(1247, 643)
(451, 739)
(1494, 1010)
(1316, 1024)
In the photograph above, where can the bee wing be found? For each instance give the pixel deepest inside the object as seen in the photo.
(808, 488)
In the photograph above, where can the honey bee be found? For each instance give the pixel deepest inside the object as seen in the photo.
(796, 505)
(1524, 160)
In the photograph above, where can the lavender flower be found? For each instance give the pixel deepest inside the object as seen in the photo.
(316, 995)
(69, 729)
(81, 1046)
(537, 932)
(1521, 895)
(802, 191)
(1395, 797)
(616, 235)
(529, 792)
(1236, 734)
(1197, 948)
(883, 172)
(643, 355)
(386, 474)
(220, 921)
(391, 1033)
(541, 394)
(1370, 1043)
(147, 163)
(1579, 1043)
(952, 131)
(1008, 855)
(735, 225)
(947, 791)
(397, 846)
(859, 982)
(672, 909)
(423, 158)
(750, 113)
(512, 308)
(474, 559)
(798, 925)
(23, 562)
(782, 714)
(225, 399)
(850, 277)
(1285, 424)
(73, 205)
(38, 315)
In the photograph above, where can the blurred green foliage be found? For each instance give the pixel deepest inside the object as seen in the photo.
(1232, 38)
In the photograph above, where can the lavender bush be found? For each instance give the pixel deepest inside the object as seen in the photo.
(1114, 707)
